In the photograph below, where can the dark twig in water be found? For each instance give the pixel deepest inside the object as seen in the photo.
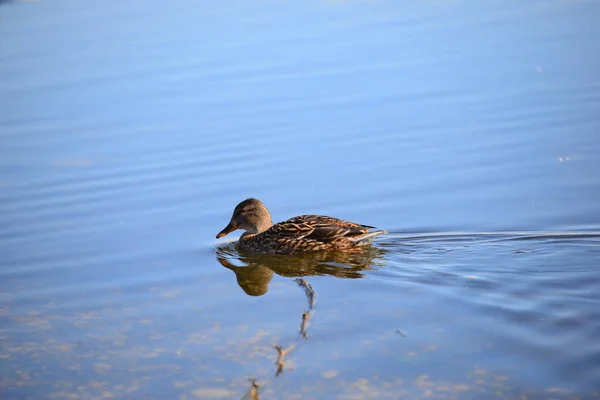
(281, 353)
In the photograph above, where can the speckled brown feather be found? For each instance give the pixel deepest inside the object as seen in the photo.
(307, 233)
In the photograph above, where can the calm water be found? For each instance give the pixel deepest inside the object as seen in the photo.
(469, 130)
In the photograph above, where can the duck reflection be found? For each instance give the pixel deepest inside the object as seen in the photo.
(254, 271)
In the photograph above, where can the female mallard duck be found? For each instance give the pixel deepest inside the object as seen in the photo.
(296, 235)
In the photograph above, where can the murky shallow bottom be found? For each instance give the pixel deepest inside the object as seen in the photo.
(418, 316)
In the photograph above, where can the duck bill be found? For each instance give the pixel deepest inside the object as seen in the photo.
(228, 229)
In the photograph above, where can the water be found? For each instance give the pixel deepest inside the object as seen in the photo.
(468, 130)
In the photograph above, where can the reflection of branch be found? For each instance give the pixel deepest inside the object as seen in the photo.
(304, 325)
(306, 316)
(311, 296)
(281, 353)
(253, 392)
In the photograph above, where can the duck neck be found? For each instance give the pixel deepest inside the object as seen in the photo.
(264, 224)
(260, 227)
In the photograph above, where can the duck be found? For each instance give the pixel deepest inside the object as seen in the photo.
(301, 234)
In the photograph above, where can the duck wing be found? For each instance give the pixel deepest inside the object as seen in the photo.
(318, 227)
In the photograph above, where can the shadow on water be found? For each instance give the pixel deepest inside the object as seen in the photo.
(257, 270)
